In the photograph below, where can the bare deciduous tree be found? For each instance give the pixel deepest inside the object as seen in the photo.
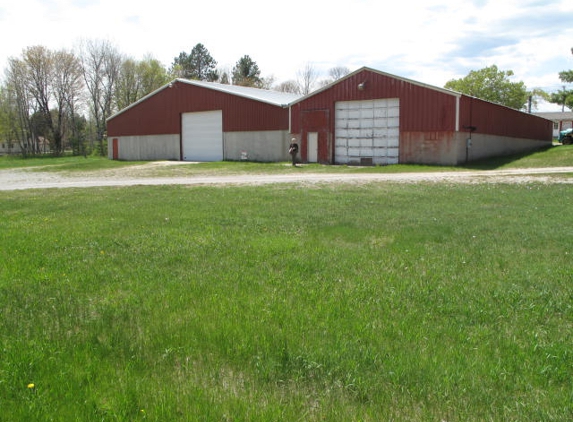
(68, 89)
(335, 74)
(54, 94)
(306, 79)
(38, 70)
(288, 86)
(45, 86)
(101, 63)
(20, 106)
(338, 72)
(266, 82)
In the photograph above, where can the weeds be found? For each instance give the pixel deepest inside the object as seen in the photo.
(378, 302)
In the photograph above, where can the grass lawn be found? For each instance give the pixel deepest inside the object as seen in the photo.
(75, 163)
(556, 156)
(282, 303)
(370, 302)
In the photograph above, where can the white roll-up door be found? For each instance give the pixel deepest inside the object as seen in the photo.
(367, 131)
(202, 136)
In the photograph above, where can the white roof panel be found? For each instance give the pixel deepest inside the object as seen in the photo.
(277, 98)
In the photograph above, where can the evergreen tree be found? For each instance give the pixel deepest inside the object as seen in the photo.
(247, 73)
(198, 65)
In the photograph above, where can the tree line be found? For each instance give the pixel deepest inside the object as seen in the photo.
(494, 85)
(56, 101)
(52, 101)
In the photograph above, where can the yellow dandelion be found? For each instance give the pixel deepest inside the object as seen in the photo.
(31, 385)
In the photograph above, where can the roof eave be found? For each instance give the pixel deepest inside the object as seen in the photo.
(364, 68)
(198, 84)
(151, 94)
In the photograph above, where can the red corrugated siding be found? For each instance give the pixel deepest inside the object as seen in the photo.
(424, 109)
(493, 119)
(161, 113)
(421, 108)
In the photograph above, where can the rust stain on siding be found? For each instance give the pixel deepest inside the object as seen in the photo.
(427, 147)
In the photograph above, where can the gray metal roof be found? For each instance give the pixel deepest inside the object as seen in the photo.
(282, 99)
(276, 98)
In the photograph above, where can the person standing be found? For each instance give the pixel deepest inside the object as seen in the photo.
(293, 150)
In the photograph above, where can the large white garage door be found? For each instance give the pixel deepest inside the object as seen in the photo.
(202, 135)
(367, 131)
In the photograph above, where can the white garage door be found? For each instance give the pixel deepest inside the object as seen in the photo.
(367, 131)
(202, 136)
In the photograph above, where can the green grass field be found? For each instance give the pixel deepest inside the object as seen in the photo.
(340, 302)
(557, 156)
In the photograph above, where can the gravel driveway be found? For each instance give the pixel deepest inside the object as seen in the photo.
(16, 179)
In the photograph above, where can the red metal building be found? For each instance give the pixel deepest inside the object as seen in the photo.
(371, 117)
(202, 121)
(368, 117)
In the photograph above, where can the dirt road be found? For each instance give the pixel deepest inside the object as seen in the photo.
(16, 179)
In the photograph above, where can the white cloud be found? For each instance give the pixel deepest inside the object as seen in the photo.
(430, 41)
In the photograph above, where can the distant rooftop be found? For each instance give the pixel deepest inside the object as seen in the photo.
(556, 115)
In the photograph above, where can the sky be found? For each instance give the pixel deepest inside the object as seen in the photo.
(430, 41)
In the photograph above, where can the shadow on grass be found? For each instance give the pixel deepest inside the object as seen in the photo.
(494, 163)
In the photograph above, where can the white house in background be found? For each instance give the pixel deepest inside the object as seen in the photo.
(561, 120)
(9, 147)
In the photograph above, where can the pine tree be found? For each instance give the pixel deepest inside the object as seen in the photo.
(198, 65)
(246, 73)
